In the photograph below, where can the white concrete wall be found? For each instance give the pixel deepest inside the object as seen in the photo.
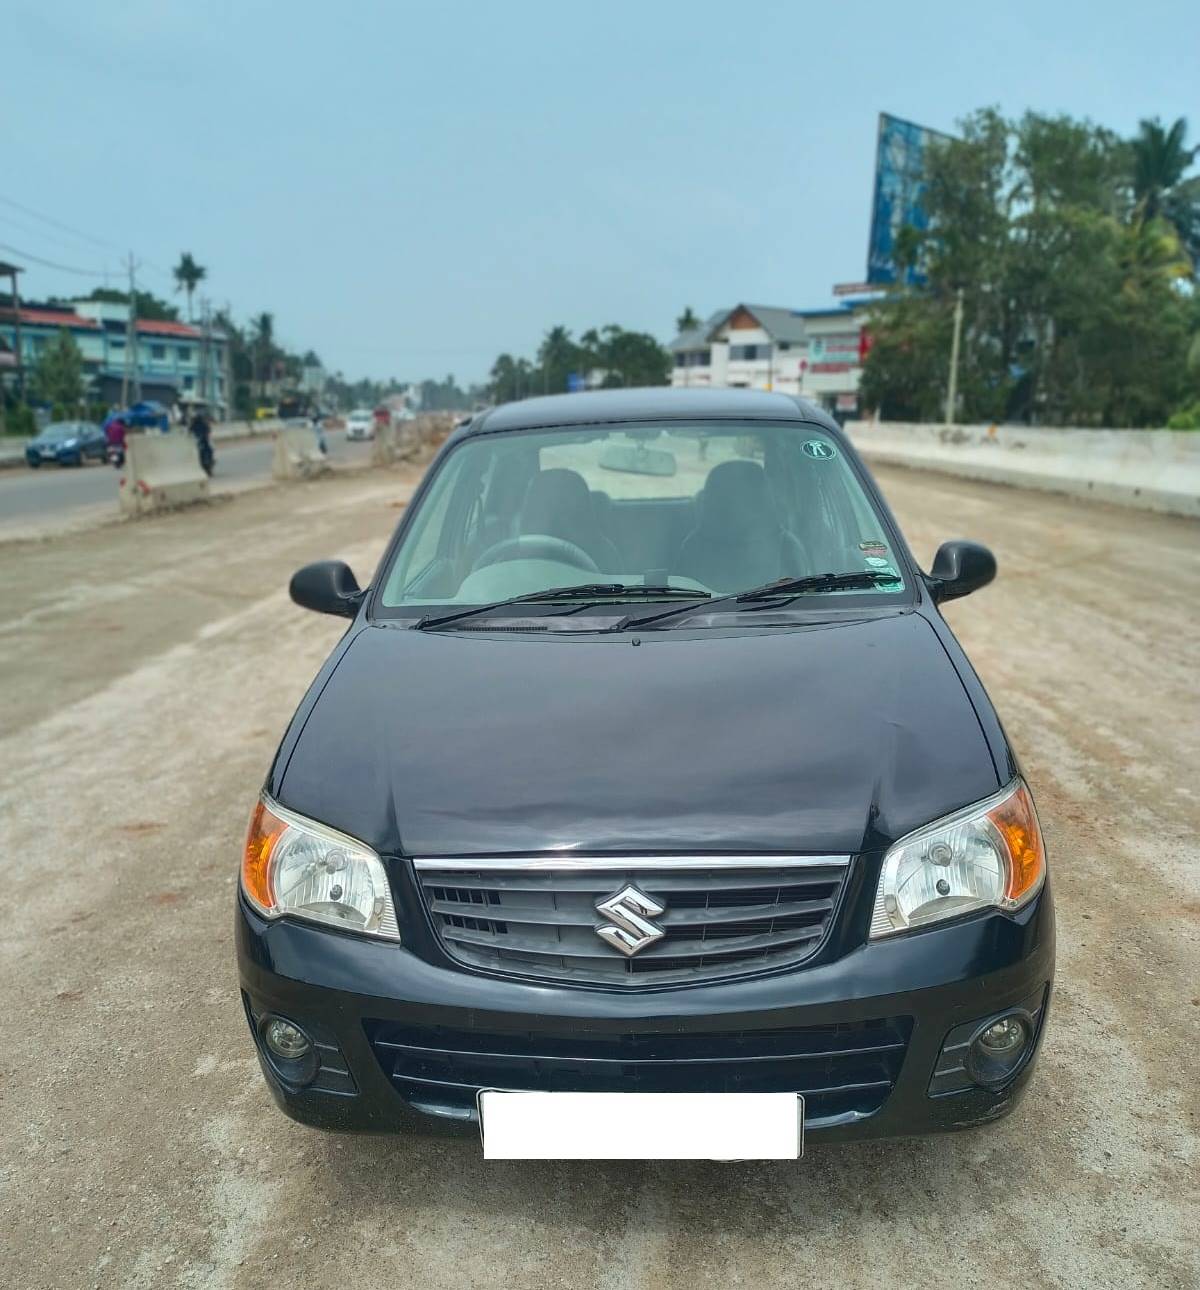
(1157, 470)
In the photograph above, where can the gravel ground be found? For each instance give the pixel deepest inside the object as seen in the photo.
(147, 672)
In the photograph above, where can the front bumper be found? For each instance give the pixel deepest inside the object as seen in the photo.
(405, 1042)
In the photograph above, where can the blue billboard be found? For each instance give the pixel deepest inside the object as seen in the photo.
(899, 189)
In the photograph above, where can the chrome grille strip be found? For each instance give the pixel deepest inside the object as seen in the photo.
(569, 862)
(548, 917)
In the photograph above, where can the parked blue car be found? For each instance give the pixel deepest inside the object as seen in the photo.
(69, 443)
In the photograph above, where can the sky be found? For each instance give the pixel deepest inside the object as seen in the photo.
(413, 188)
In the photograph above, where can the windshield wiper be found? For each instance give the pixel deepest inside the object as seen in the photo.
(847, 581)
(784, 588)
(583, 591)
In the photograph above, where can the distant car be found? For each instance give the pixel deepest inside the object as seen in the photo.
(265, 414)
(360, 424)
(68, 443)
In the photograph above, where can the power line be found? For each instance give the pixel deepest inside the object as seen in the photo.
(52, 264)
(10, 224)
(66, 228)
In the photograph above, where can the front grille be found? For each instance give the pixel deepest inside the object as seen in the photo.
(845, 1071)
(721, 917)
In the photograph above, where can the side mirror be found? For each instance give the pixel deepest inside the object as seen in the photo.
(328, 586)
(960, 568)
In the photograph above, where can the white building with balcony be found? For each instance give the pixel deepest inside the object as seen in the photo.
(815, 353)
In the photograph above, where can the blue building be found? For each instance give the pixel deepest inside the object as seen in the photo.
(171, 362)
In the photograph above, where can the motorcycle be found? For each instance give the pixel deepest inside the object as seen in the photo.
(115, 455)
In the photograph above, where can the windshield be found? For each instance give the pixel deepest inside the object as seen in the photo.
(61, 430)
(715, 507)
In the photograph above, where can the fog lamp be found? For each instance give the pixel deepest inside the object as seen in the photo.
(287, 1042)
(999, 1049)
(1003, 1036)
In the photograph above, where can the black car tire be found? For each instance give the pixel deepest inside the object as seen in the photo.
(35, 463)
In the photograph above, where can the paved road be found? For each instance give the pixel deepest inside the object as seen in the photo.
(139, 1148)
(58, 491)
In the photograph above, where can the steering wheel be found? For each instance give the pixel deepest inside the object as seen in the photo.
(536, 546)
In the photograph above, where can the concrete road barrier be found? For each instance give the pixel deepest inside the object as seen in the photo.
(298, 454)
(383, 446)
(161, 471)
(1157, 470)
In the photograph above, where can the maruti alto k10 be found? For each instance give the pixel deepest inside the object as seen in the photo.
(647, 770)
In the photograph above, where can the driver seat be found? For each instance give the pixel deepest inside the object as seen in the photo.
(559, 505)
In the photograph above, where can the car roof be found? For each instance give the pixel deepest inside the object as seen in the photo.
(659, 403)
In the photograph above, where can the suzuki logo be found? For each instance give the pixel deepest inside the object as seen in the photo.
(630, 929)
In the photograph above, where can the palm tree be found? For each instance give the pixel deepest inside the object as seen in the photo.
(503, 380)
(188, 276)
(557, 356)
(687, 320)
(1160, 158)
(262, 331)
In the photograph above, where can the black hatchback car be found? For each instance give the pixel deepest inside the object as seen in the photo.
(647, 765)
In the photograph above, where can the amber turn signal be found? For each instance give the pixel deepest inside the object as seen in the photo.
(1017, 823)
(265, 830)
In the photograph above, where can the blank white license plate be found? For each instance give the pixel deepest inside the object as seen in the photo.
(520, 1125)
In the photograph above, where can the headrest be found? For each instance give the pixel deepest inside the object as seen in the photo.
(558, 503)
(735, 497)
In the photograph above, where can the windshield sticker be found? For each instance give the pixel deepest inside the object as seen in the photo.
(819, 450)
(873, 547)
(876, 562)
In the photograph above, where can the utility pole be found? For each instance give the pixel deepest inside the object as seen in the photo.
(228, 365)
(12, 271)
(130, 378)
(205, 353)
(952, 390)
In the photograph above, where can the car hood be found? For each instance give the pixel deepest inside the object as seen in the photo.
(831, 738)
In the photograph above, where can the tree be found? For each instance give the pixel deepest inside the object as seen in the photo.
(687, 321)
(149, 306)
(557, 357)
(502, 380)
(1074, 306)
(609, 354)
(58, 375)
(262, 339)
(1159, 159)
(625, 358)
(188, 276)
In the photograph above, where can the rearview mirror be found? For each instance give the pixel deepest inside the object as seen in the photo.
(960, 568)
(328, 586)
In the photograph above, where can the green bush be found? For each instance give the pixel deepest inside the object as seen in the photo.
(19, 421)
(1185, 418)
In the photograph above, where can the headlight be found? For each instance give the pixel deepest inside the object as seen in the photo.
(989, 855)
(301, 868)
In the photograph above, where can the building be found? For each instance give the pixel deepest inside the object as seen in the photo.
(815, 353)
(171, 362)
